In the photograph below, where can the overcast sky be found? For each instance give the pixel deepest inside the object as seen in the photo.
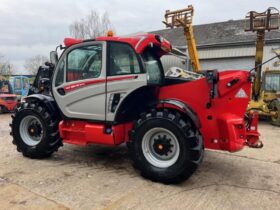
(31, 27)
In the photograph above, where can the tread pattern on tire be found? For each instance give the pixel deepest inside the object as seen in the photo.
(52, 142)
(276, 104)
(192, 135)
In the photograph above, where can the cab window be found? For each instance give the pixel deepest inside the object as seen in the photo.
(272, 82)
(153, 67)
(5, 87)
(17, 84)
(122, 60)
(60, 74)
(84, 63)
(25, 83)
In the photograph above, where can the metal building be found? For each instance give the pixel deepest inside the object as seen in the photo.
(223, 46)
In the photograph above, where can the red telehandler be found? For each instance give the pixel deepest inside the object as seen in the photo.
(112, 90)
(8, 100)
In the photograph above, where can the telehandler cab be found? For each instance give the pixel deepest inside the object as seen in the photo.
(112, 90)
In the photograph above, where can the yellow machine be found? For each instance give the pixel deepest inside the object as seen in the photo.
(183, 18)
(266, 87)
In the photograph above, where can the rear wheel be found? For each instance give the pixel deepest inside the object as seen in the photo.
(165, 147)
(35, 130)
(275, 106)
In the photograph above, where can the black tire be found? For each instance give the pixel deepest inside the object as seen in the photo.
(50, 140)
(3, 109)
(189, 140)
(275, 106)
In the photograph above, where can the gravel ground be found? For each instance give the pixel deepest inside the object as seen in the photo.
(98, 177)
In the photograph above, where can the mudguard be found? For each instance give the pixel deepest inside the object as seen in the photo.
(48, 101)
(185, 108)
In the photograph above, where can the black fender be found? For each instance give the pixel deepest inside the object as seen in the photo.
(137, 102)
(48, 101)
(185, 108)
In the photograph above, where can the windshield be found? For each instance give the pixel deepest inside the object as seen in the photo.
(84, 58)
(272, 82)
(84, 63)
(153, 67)
(5, 87)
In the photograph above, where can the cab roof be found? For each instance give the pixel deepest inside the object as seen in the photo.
(139, 42)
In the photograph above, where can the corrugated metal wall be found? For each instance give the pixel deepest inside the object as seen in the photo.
(226, 58)
(226, 52)
(221, 64)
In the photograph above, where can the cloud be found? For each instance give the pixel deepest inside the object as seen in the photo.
(31, 27)
(16, 53)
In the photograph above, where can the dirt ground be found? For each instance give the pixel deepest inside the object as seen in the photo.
(97, 177)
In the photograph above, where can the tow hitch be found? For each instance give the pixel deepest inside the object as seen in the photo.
(253, 135)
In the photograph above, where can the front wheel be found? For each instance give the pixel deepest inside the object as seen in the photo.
(35, 130)
(3, 109)
(275, 106)
(165, 147)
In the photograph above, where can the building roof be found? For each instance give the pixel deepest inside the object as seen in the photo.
(215, 34)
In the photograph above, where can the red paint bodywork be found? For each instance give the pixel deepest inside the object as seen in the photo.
(252, 132)
(70, 41)
(222, 124)
(84, 133)
(9, 101)
(139, 42)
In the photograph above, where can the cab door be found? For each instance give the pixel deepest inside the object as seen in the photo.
(79, 81)
(124, 75)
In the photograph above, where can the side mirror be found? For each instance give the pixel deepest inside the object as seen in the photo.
(44, 84)
(53, 57)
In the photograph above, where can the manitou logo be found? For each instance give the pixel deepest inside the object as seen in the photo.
(241, 94)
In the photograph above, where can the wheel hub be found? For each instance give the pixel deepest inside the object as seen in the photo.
(31, 130)
(35, 129)
(162, 145)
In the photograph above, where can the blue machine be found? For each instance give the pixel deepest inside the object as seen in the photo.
(20, 85)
